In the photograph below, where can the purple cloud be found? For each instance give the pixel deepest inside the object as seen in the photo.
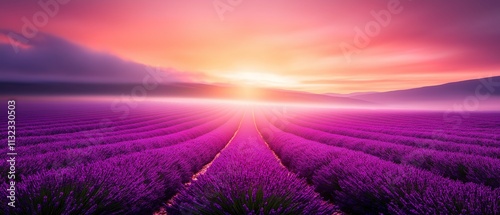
(49, 58)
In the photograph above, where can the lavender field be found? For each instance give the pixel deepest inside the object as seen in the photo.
(171, 157)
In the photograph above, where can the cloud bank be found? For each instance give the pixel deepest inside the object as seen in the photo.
(48, 58)
(426, 43)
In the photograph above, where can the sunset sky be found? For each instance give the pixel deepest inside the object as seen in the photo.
(287, 44)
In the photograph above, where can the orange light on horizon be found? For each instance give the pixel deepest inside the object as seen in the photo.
(259, 78)
(291, 45)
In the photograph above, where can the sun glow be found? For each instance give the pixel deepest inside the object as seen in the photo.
(249, 78)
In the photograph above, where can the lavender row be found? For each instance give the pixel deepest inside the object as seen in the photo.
(76, 127)
(364, 184)
(35, 119)
(37, 113)
(431, 131)
(90, 118)
(247, 179)
(97, 139)
(129, 184)
(472, 135)
(420, 118)
(403, 140)
(45, 109)
(113, 132)
(479, 122)
(100, 126)
(28, 165)
(476, 124)
(467, 168)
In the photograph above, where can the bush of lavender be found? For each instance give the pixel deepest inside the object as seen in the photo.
(247, 179)
(364, 184)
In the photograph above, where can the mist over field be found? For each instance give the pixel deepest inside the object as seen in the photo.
(249, 107)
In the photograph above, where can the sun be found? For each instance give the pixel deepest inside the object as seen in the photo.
(252, 84)
(248, 93)
(251, 78)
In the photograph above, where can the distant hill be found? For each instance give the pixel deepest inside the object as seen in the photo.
(442, 96)
(189, 90)
(349, 94)
(445, 96)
